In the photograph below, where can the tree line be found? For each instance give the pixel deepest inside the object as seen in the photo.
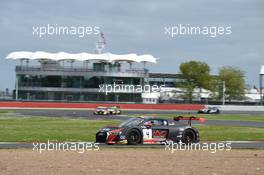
(196, 74)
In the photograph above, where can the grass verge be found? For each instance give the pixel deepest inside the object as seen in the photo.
(230, 133)
(28, 129)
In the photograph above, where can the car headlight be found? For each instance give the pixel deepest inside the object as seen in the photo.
(116, 132)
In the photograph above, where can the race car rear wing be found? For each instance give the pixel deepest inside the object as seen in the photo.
(189, 119)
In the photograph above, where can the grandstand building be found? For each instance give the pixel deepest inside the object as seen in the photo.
(43, 76)
(77, 77)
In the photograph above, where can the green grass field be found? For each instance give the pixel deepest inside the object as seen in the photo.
(227, 133)
(49, 128)
(27, 129)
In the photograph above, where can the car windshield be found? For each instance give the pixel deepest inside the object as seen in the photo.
(132, 122)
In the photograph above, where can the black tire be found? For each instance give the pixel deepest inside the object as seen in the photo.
(133, 137)
(188, 136)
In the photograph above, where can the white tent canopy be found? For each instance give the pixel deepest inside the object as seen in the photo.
(60, 56)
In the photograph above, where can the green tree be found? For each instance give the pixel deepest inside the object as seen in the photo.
(195, 74)
(234, 83)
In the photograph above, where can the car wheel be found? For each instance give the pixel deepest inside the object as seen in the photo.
(188, 136)
(133, 137)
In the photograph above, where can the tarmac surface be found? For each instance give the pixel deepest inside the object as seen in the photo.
(85, 111)
(88, 114)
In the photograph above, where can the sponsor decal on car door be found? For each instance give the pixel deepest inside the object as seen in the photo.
(160, 133)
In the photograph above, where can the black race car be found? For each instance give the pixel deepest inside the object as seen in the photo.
(209, 110)
(142, 130)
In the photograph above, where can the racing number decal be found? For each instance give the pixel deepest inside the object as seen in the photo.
(147, 134)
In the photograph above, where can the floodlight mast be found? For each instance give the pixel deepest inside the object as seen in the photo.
(100, 45)
(224, 90)
(261, 74)
(260, 88)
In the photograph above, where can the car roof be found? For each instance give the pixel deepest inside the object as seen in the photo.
(154, 118)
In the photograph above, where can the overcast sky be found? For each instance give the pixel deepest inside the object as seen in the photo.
(138, 27)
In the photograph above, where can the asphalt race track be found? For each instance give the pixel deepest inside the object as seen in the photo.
(88, 114)
(84, 112)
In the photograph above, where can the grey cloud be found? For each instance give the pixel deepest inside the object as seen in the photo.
(137, 26)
